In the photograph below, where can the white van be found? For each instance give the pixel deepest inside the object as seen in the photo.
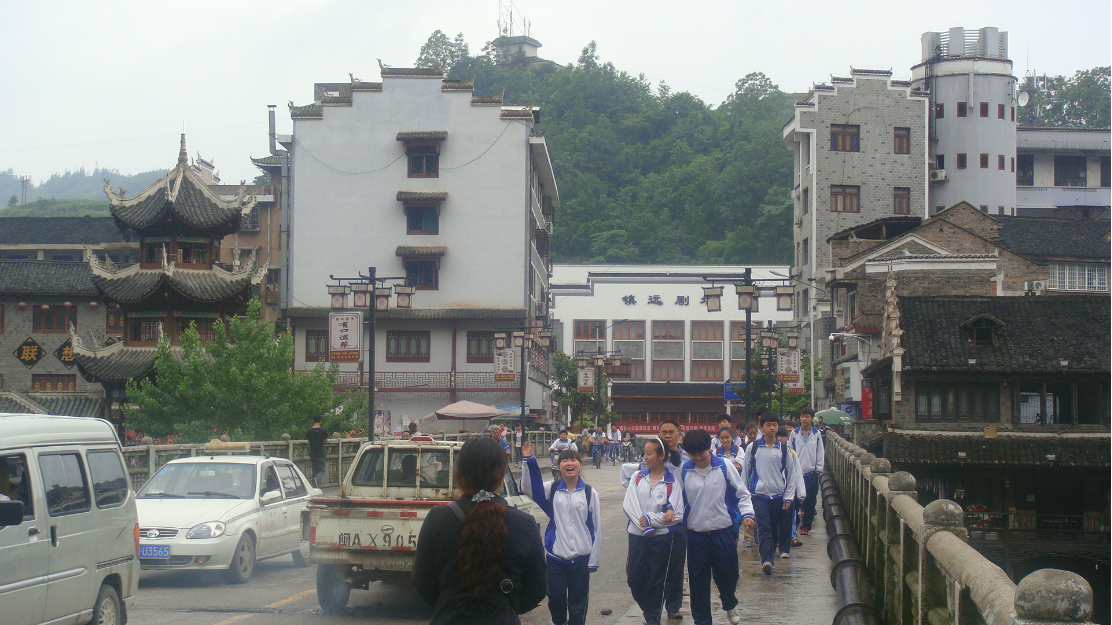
(69, 533)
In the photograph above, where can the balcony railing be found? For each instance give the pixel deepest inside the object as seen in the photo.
(1039, 197)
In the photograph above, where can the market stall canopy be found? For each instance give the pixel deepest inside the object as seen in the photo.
(833, 416)
(462, 416)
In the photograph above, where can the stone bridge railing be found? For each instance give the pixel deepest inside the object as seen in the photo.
(922, 570)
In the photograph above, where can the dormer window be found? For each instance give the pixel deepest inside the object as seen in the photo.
(983, 330)
(422, 151)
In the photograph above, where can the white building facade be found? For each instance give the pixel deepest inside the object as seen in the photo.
(681, 355)
(439, 189)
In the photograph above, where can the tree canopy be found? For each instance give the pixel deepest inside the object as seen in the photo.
(646, 174)
(1083, 100)
(241, 384)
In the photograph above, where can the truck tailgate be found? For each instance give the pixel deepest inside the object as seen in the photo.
(366, 526)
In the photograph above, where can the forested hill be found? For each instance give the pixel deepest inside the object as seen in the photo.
(73, 185)
(646, 174)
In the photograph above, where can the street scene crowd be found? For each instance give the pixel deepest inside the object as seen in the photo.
(690, 499)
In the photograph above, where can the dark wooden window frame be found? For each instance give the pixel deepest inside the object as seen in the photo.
(845, 138)
(316, 346)
(975, 401)
(416, 343)
(55, 320)
(845, 198)
(410, 262)
(68, 382)
(901, 200)
(984, 109)
(416, 210)
(480, 346)
(421, 157)
(901, 140)
(983, 161)
(963, 160)
(963, 109)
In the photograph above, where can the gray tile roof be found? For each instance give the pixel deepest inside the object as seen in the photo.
(1040, 237)
(418, 313)
(59, 231)
(1037, 334)
(421, 250)
(118, 366)
(416, 196)
(199, 285)
(1009, 448)
(423, 135)
(69, 404)
(192, 205)
(45, 277)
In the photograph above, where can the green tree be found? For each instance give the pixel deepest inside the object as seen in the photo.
(12, 201)
(240, 384)
(440, 51)
(584, 406)
(1082, 100)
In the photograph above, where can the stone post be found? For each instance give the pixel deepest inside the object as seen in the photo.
(1053, 596)
(864, 485)
(902, 551)
(877, 552)
(941, 515)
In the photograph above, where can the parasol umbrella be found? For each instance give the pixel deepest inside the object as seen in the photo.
(462, 416)
(833, 416)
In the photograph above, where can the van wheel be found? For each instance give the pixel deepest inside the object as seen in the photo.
(106, 611)
(243, 561)
(333, 589)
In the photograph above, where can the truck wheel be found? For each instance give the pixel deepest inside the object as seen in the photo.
(333, 589)
(299, 559)
(106, 611)
(243, 561)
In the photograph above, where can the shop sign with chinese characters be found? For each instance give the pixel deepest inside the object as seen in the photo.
(345, 337)
(505, 365)
(585, 380)
(64, 353)
(29, 352)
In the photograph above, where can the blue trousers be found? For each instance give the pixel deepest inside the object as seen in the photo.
(647, 567)
(569, 584)
(773, 527)
(811, 481)
(673, 585)
(712, 554)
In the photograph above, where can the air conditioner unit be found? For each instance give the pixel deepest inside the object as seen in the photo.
(938, 175)
(1034, 286)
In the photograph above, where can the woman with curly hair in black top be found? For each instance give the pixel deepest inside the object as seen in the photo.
(479, 561)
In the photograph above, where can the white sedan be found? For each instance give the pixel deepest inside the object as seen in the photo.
(222, 512)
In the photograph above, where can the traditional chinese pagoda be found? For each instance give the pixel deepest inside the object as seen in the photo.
(179, 221)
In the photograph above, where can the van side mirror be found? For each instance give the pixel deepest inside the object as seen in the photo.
(270, 497)
(11, 513)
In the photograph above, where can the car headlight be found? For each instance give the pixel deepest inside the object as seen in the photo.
(208, 529)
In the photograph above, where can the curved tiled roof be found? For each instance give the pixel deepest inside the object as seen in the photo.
(115, 365)
(45, 277)
(134, 284)
(183, 195)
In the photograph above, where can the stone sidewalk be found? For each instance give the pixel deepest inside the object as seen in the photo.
(797, 593)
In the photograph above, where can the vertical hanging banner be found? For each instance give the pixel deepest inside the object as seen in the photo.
(585, 380)
(787, 365)
(505, 365)
(345, 337)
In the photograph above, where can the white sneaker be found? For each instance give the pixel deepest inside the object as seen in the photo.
(783, 556)
(734, 616)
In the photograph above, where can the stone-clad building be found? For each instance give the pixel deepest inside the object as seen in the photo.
(860, 154)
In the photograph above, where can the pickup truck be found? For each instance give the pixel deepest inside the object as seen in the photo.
(370, 531)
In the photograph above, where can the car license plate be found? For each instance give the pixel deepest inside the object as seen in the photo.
(154, 551)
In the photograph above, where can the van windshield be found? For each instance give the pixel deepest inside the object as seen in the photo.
(201, 480)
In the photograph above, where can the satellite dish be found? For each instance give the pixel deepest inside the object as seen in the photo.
(1023, 98)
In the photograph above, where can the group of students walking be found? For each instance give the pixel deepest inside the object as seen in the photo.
(685, 502)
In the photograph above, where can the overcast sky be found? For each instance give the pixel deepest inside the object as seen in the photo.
(113, 83)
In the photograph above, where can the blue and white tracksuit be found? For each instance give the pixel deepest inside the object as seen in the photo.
(770, 474)
(572, 541)
(811, 455)
(654, 549)
(715, 502)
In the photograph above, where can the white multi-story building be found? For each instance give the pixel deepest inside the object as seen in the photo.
(681, 355)
(450, 192)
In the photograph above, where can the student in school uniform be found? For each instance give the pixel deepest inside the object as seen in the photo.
(808, 446)
(723, 421)
(654, 508)
(783, 435)
(769, 473)
(573, 538)
(716, 501)
(559, 445)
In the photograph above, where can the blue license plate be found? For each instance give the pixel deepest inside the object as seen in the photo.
(154, 551)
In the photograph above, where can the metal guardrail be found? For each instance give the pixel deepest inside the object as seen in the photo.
(144, 460)
(922, 569)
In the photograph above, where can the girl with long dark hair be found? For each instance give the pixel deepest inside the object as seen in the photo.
(479, 561)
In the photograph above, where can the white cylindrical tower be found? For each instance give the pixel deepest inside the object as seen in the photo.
(972, 118)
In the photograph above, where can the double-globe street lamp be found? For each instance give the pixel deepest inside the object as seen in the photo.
(373, 293)
(536, 336)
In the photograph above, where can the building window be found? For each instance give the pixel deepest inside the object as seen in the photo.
(1013, 164)
(152, 253)
(999, 111)
(114, 321)
(55, 320)
(423, 274)
(250, 221)
(901, 201)
(1105, 177)
(984, 161)
(937, 401)
(667, 369)
(804, 252)
(982, 332)
(706, 369)
(626, 330)
(590, 336)
(54, 382)
(144, 329)
(1013, 113)
(706, 330)
(807, 200)
(901, 141)
(1078, 277)
(961, 160)
(1069, 171)
(668, 350)
(480, 347)
(845, 138)
(667, 330)
(984, 109)
(407, 346)
(629, 341)
(940, 160)
(424, 160)
(939, 111)
(845, 198)
(1000, 162)
(193, 253)
(962, 109)
(206, 328)
(1025, 170)
(706, 350)
(422, 220)
(316, 345)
